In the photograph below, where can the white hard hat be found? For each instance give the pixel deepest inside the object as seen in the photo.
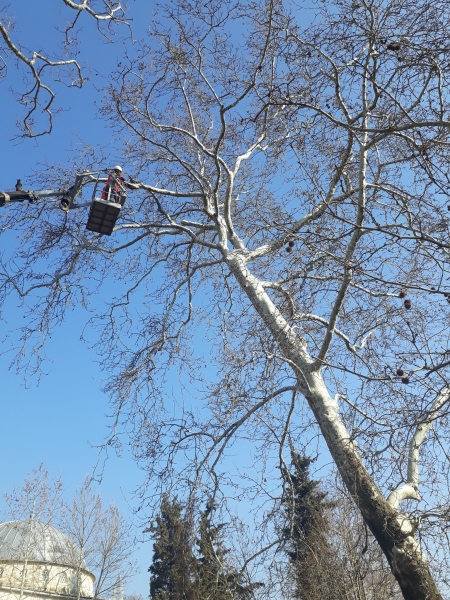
(118, 168)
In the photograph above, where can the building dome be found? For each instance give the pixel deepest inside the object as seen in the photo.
(42, 561)
(38, 542)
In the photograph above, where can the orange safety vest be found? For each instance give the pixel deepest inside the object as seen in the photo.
(114, 195)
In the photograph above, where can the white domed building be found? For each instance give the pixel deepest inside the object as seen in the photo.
(39, 562)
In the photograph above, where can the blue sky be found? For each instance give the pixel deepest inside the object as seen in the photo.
(59, 419)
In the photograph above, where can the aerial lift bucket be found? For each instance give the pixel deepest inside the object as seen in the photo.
(103, 214)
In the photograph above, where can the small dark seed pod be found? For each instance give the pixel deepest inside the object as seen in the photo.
(288, 249)
(400, 372)
(291, 243)
(402, 295)
(405, 380)
(433, 288)
(407, 303)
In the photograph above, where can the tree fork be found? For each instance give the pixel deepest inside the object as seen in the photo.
(401, 549)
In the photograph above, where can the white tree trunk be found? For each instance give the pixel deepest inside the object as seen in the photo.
(393, 530)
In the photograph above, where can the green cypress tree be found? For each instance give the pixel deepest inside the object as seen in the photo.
(303, 504)
(173, 563)
(211, 582)
(216, 580)
(314, 565)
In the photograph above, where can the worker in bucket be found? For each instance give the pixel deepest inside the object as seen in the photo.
(114, 186)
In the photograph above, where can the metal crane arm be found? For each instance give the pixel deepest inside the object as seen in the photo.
(103, 212)
(67, 196)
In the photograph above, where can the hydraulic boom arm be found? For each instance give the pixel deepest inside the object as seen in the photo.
(104, 210)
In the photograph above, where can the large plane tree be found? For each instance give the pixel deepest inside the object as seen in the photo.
(293, 216)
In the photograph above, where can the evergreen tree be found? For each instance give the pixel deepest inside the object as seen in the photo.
(173, 564)
(211, 582)
(216, 580)
(314, 565)
(331, 553)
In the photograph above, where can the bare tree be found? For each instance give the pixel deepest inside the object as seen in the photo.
(39, 496)
(104, 537)
(115, 546)
(294, 210)
(35, 555)
(362, 569)
(60, 65)
(81, 524)
(75, 540)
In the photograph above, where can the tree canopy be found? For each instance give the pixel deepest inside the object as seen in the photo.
(292, 213)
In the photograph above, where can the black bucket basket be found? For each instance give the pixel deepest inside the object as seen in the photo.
(103, 216)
